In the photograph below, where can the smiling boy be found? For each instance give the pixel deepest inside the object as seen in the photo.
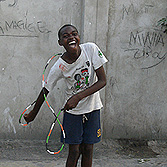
(84, 76)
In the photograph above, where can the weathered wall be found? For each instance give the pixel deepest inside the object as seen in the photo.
(135, 97)
(28, 37)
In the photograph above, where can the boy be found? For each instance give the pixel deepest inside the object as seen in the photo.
(82, 68)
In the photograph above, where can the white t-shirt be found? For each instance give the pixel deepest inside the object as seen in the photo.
(79, 76)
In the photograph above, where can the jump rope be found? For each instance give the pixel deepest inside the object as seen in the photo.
(51, 109)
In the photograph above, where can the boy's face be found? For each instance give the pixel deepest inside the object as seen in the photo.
(69, 39)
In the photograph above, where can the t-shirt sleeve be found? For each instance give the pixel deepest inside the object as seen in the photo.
(54, 75)
(98, 58)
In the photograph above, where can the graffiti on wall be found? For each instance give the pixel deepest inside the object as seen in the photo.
(148, 47)
(23, 28)
(133, 10)
(14, 3)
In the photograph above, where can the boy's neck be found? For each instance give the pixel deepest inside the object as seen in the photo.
(71, 57)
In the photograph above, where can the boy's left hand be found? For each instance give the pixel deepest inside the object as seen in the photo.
(71, 102)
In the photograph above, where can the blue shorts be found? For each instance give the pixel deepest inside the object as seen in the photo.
(83, 128)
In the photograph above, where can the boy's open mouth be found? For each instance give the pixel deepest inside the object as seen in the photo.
(72, 44)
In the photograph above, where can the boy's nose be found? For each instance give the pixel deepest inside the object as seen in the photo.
(70, 36)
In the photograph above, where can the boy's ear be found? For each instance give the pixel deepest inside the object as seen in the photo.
(59, 42)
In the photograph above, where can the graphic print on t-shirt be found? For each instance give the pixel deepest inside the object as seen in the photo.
(81, 78)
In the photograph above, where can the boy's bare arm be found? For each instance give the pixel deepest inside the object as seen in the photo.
(31, 116)
(74, 100)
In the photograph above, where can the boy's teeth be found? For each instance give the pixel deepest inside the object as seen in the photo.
(73, 42)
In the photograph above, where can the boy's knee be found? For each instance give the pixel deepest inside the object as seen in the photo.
(74, 153)
(87, 149)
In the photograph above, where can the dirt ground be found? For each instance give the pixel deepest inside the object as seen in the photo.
(108, 153)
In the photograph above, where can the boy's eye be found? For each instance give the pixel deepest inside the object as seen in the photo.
(74, 33)
(65, 36)
(68, 35)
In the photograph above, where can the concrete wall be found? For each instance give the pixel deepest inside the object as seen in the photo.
(135, 97)
(137, 87)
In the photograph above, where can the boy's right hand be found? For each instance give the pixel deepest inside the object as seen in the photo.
(29, 117)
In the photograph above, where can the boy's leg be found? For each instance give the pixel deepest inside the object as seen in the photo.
(73, 155)
(74, 129)
(91, 135)
(87, 155)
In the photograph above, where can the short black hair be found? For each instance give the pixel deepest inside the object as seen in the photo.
(66, 25)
